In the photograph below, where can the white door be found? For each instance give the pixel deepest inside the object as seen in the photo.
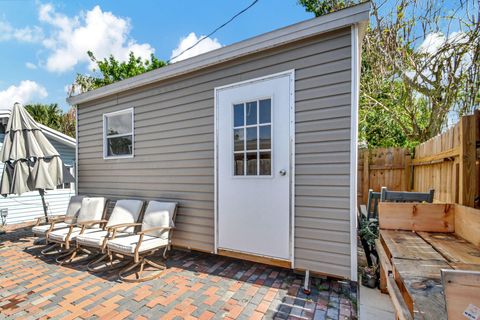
(253, 131)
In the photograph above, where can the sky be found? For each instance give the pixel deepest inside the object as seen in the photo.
(43, 44)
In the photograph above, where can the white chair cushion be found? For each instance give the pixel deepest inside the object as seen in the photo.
(42, 230)
(159, 214)
(95, 239)
(61, 235)
(92, 209)
(129, 243)
(73, 209)
(125, 211)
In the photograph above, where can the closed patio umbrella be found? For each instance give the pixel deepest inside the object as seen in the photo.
(30, 160)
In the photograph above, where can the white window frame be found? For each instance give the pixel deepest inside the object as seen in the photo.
(105, 136)
(258, 150)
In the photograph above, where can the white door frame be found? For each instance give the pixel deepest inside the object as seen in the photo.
(291, 74)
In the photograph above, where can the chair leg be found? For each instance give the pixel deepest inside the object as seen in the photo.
(48, 251)
(40, 241)
(138, 275)
(93, 265)
(69, 256)
(101, 264)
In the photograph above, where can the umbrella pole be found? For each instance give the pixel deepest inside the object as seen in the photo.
(42, 195)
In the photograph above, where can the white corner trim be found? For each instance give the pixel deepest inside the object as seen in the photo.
(355, 87)
(76, 151)
(292, 166)
(215, 171)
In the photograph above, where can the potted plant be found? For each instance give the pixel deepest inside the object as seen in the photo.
(369, 277)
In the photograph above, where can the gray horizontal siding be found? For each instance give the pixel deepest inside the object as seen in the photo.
(174, 150)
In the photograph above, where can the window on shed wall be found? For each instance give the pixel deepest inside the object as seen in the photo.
(118, 134)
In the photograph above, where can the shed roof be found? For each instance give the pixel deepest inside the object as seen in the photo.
(358, 14)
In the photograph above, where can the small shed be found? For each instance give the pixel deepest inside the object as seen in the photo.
(257, 141)
(28, 206)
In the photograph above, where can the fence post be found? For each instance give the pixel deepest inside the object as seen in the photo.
(408, 171)
(467, 183)
(366, 175)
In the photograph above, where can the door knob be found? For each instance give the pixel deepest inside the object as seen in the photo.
(283, 172)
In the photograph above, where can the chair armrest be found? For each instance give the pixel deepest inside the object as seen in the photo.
(124, 225)
(112, 230)
(90, 222)
(142, 234)
(41, 220)
(154, 229)
(56, 218)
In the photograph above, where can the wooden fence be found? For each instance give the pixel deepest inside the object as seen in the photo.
(447, 163)
(383, 167)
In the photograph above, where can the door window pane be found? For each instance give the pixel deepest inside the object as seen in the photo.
(238, 139)
(238, 117)
(252, 138)
(265, 163)
(265, 137)
(251, 113)
(119, 123)
(119, 146)
(251, 163)
(265, 112)
(238, 164)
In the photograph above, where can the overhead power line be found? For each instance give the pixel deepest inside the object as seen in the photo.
(213, 32)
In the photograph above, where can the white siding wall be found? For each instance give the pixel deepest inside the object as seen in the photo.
(28, 206)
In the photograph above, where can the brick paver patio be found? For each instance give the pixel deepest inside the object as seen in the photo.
(196, 286)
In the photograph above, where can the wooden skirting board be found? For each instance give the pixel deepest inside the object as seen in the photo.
(254, 258)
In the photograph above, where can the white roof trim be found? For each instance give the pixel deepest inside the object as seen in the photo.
(49, 132)
(298, 31)
(57, 135)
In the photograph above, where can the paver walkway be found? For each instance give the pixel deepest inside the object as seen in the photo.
(196, 286)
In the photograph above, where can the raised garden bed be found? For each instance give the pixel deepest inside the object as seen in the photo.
(417, 242)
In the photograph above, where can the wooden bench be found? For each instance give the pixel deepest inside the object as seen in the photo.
(417, 242)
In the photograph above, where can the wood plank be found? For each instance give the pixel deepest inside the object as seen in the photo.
(420, 284)
(430, 217)
(452, 247)
(467, 224)
(468, 157)
(464, 266)
(385, 266)
(408, 173)
(401, 309)
(255, 258)
(461, 289)
(450, 153)
(366, 175)
(408, 245)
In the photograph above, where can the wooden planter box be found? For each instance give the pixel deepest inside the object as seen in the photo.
(417, 242)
